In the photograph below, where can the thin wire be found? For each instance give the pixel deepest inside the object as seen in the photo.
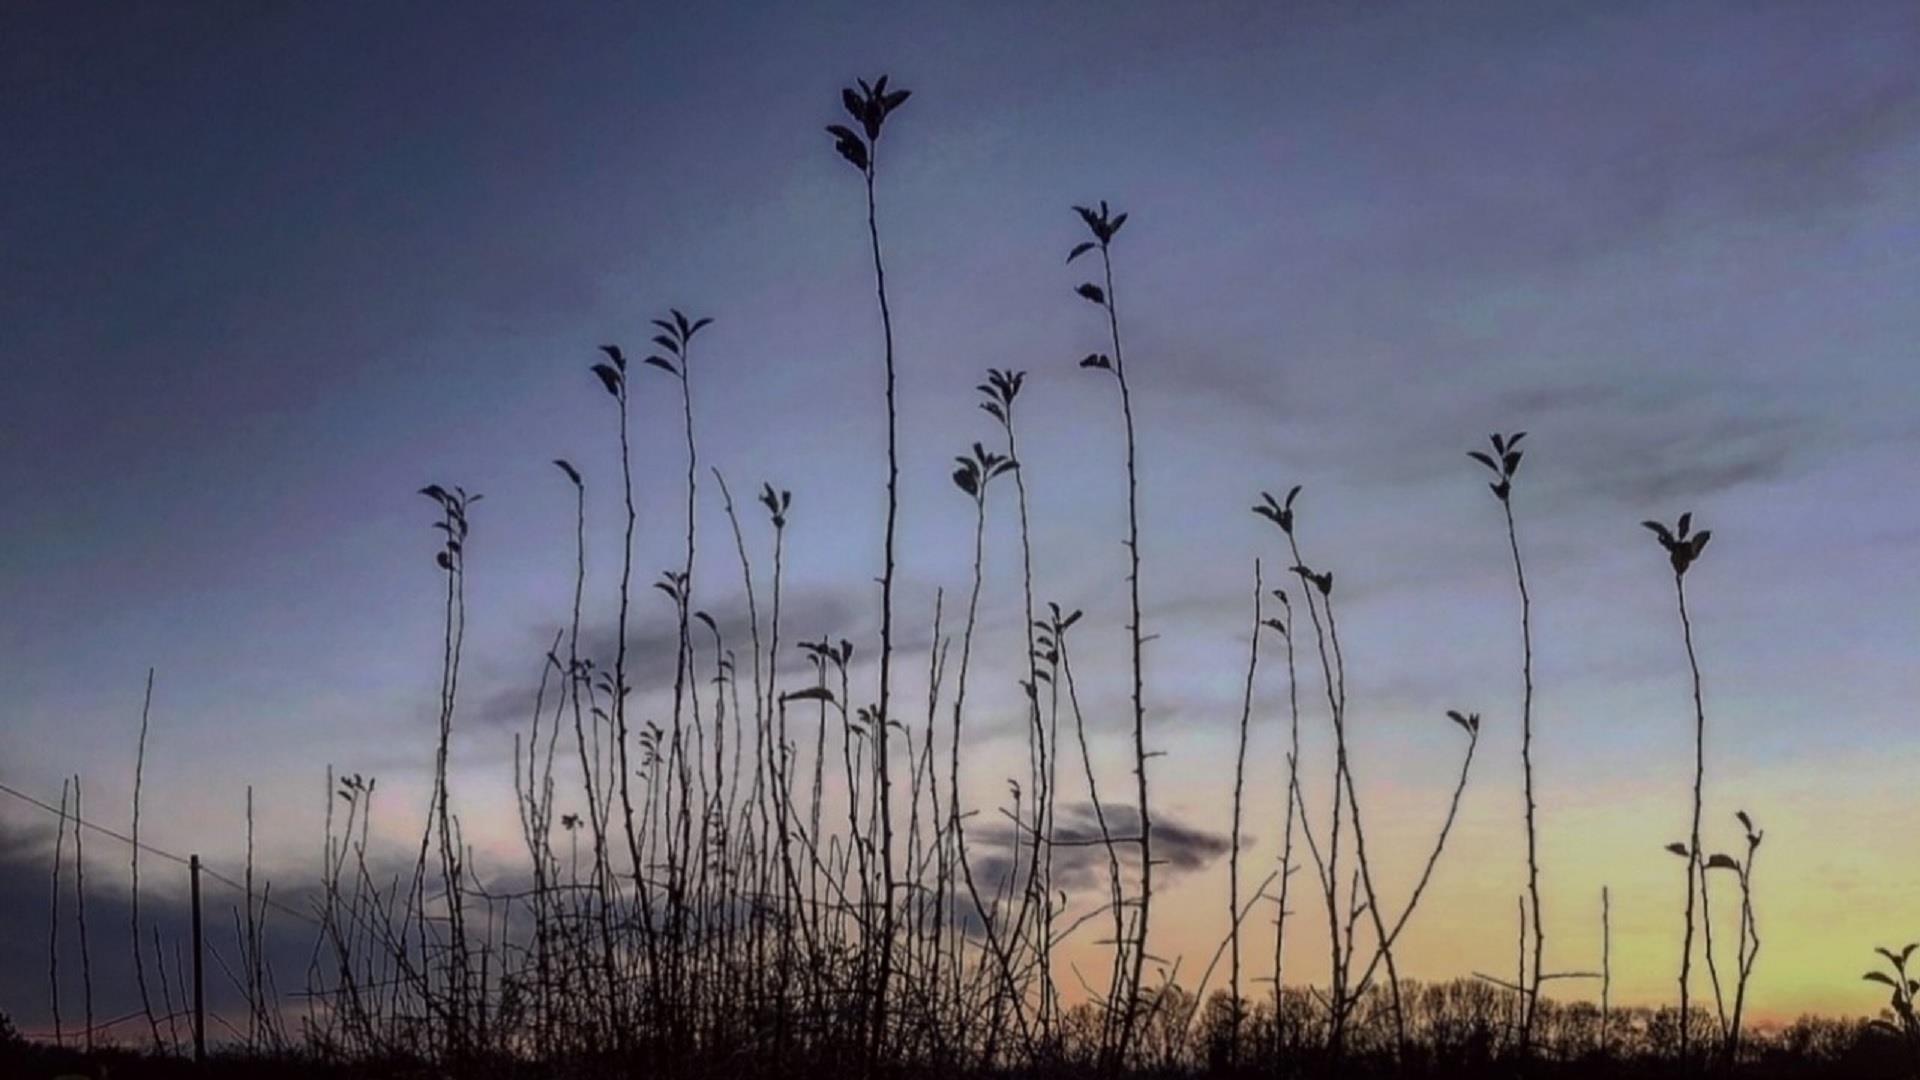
(151, 850)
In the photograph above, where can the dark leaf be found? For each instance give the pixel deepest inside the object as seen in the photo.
(662, 363)
(1678, 848)
(1080, 249)
(573, 474)
(1685, 523)
(608, 378)
(1483, 458)
(680, 321)
(667, 343)
(614, 354)
(1511, 461)
(896, 99)
(854, 151)
(1113, 227)
(1092, 292)
(1658, 530)
(1722, 862)
(855, 107)
(808, 693)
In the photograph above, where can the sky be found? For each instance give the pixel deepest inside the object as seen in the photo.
(264, 273)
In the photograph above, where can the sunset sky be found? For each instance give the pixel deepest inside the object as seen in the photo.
(263, 274)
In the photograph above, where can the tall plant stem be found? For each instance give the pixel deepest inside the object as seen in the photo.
(80, 910)
(1131, 988)
(1286, 850)
(1532, 988)
(884, 720)
(139, 965)
(53, 920)
(1699, 783)
(1239, 788)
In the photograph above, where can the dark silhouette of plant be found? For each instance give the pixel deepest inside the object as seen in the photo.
(1904, 1023)
(1000, 391)
(1747, 944)
(451, 558)
(869, 108)
(80, 914)
(1104, 225)
(1236, 1003)
(1682, 550)
(1343, 996)
(1503, 463)
(133, 917)
(675, 339)
(1284, 627)
(53, 922)
(613, 376)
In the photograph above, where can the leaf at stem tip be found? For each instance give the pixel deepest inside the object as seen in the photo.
(608, 378)
(566, 466)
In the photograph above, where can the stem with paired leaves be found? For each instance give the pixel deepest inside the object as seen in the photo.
(1504, 462)
(870, 107)
(1682, 550)
(1104, 225)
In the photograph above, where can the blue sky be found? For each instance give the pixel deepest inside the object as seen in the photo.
(266, 273)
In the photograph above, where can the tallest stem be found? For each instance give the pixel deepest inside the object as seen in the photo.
(886, 636)
(1699, 781)
(1526, 768)
(1139, 704)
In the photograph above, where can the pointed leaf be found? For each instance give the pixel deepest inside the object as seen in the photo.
(608, 378)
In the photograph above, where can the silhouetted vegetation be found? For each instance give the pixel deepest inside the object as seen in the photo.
(779, 880)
